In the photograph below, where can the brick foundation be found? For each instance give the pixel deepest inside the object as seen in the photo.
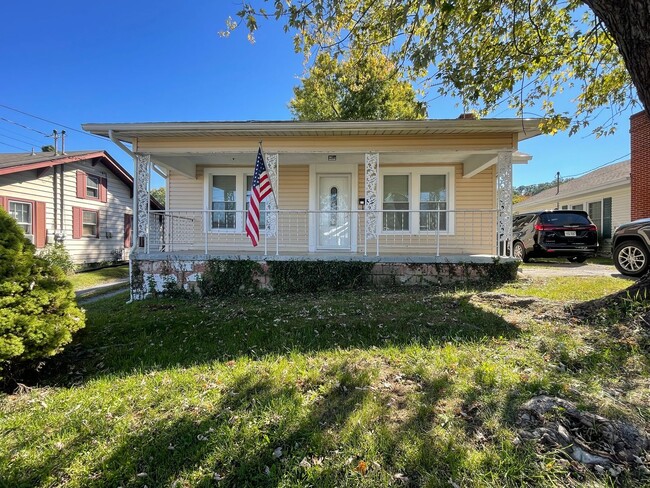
(640, 165)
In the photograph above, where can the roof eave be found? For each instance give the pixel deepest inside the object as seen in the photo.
(525, 128)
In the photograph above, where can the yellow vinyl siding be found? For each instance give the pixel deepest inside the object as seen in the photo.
(473, 233)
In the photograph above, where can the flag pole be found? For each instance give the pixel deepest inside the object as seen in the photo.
(270, 180)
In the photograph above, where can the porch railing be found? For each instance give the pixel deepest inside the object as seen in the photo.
(303, 231)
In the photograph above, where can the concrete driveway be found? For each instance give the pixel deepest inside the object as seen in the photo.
(551, 268)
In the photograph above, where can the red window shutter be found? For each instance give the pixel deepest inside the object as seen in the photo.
(128, 231)
(3, 203)
(76, 222)
(81, 184)
(97, 235)
(40, 232)
(103, 183)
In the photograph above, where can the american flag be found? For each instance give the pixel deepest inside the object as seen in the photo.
(260, 189)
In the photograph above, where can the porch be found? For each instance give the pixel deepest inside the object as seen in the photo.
(326, 233)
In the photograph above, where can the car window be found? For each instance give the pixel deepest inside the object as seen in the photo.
(564, 218)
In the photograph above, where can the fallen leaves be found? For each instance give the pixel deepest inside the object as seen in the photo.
(362, 468)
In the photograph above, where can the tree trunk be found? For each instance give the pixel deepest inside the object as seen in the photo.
(628, 21)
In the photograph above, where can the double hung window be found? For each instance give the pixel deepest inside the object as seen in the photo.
(90, 221)
(228, 192)
(224, 202)
(92, 186)
(417, 201)
(22, 213)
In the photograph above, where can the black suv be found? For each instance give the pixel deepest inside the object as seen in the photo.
(554, 233)
(631, 244)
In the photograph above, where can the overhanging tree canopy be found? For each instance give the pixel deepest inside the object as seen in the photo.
(362, 86)
(488, 53)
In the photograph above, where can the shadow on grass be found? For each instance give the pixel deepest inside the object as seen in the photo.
(151, 335)
(237, 438)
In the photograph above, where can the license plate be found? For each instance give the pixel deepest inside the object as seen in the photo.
(570, 233)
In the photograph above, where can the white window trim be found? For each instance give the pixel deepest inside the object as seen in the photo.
(31, 213)
(240, 175)
(96, 224)
(99, 184)
(414, 175)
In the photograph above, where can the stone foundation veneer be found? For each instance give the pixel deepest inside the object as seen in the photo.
(159, 273)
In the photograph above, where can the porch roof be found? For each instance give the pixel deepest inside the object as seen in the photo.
(398, 141)
(130, 132)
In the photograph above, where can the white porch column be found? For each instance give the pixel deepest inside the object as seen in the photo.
(272, 161)
(504, 203)
(371, 190)
(141, 199)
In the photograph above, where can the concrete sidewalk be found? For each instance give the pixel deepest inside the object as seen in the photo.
(88, 295)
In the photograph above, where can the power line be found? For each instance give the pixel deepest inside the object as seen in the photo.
(33, 141)
(24, 126)
(11, 145)
(15, 139)
(598, 167)
(52, 122)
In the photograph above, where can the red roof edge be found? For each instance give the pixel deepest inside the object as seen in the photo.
(103, 156)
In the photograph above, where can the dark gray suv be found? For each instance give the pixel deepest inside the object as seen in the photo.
(554, 233)
(631, 244)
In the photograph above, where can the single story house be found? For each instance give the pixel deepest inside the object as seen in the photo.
(603, 193)
(83, 199)
(403, 191)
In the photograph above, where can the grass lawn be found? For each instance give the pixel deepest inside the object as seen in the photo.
(366, 388)
(564, 288)
(89, 279)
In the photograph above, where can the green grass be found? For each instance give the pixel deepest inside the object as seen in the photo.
(343, 389)
(89, 279)
(564, 288)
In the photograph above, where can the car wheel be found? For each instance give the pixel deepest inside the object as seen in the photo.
(519, 251)
(631, 258)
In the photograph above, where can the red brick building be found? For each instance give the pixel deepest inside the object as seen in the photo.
(640, 165)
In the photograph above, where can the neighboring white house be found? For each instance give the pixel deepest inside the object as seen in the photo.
(603, 193)
(83, 199)
(425, 190)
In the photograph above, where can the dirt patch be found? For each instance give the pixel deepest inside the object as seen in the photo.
(517, 308)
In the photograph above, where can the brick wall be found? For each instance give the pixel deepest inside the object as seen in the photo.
(640, 165)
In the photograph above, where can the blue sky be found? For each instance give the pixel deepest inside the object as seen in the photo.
(74, 62)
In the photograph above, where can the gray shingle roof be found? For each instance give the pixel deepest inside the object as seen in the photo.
(10, 160)
(612, 174)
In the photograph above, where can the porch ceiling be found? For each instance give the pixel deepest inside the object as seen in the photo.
(474, 161)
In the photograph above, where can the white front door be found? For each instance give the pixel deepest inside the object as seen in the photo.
(334, 220)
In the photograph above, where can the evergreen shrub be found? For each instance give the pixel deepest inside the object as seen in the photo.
(38, 312)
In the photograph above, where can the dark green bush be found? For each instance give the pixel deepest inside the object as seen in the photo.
(308, 276)
(227, 277)
(38, 312)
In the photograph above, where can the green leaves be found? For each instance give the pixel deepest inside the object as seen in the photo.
(363, 86)
(38, 313)
(520, 54)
